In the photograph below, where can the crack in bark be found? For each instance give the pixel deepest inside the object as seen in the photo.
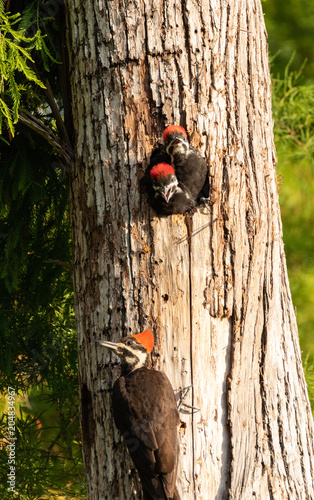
(250, 66)
(129, 247)
(188, 219)
(301, 454)
(229, 404)
(281, 440)
(129, 225)
(148, 75)
(263, 392)
(226, 81)
(110, 42)
(236, 76)
(181, 93)
(187, 38)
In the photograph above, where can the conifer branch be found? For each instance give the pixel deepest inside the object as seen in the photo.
(292, 134)
(35, 124)
(61, 263)
(54, 108)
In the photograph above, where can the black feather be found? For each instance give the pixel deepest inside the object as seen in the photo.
(148, 421)
(191, 170)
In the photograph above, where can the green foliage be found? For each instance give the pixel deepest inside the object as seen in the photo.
(32, 19)
(35, 263)
(308, 365)
(48, 455)
(290, 29)
(15, 54)
(38, 345)
(293, 104)
(293, 113)
(38, 351)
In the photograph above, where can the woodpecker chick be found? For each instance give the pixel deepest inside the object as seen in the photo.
(146, 414)
(164, 180)
(165, 194)
(190, 168)
(175, 139)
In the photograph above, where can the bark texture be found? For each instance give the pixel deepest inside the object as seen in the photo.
(214, 289)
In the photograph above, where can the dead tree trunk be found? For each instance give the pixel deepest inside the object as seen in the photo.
(218, 302)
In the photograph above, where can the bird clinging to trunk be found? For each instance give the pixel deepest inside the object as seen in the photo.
(190, 168)
(146, 414)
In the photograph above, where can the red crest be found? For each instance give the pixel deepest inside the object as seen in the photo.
(161, 170)
(174, 128)
(145, 338)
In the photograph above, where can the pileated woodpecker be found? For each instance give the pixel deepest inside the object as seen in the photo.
(178, 189)
(146, 414)
(190, 168)
(165, 193)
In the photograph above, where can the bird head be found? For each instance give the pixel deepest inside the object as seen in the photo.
(175, 139)
(165, 182)
(133, 350)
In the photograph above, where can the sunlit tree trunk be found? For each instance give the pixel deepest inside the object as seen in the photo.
(217, 297)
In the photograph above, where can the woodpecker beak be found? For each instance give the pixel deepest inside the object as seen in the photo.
(111, 345)
(177, 143)
(166, 193)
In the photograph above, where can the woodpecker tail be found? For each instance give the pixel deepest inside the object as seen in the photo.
(158, 495)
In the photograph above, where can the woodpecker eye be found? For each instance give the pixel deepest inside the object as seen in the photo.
(129, 342)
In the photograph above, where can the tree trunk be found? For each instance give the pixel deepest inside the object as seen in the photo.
(218, 299)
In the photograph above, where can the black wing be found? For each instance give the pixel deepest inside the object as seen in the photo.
(192, 171)
(146, 414)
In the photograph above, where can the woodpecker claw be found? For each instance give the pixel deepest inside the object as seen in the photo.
(182, 395)
(193, 408)
(207, 202)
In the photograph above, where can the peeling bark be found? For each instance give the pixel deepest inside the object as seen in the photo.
(218, 299)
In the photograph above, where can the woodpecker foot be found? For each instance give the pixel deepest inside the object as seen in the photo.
(193, 408)
(207, 196)
(207, 202)
(182, 395)
(191, 211)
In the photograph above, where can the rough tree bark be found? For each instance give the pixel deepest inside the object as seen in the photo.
(218, 302)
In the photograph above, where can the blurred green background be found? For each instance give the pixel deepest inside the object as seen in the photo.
(38, 354)
(290, 27)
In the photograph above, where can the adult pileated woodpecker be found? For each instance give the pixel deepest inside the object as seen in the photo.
(146, 414)
(190, 168)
